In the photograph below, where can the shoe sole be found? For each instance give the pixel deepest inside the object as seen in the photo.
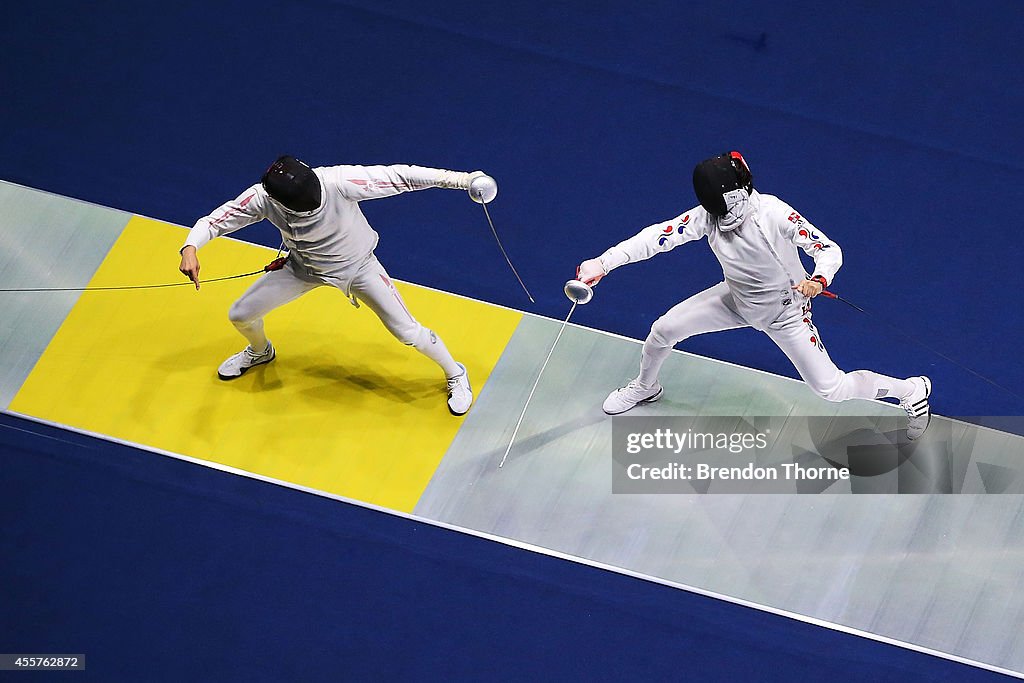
(652, 399)
(228, 378)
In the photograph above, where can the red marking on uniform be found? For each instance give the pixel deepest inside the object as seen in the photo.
(817, 246)
(807, 320)
(803, 233)
(357, 181)
(813, 340)
(668, 230)
(686, 219)
(232, 212)
(398, 297)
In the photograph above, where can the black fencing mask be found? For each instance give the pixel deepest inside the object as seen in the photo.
(715, 177)
(293, 184)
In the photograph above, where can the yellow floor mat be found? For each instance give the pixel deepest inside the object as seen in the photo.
(344, 408)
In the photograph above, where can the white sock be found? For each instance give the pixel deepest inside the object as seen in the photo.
(871, 385)
(253, 332)
(431, 346)
(651, 360)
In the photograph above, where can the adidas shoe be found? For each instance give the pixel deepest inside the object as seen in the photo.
(460, 394)
(916, 405)
(629, 396)
(236, 366)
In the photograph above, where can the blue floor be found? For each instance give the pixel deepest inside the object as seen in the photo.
(157, 569)
(894, 129)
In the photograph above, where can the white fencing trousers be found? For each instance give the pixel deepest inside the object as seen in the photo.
(712, 310)
(371, 285)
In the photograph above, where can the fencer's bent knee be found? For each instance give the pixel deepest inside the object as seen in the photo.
(408, 334)
(663, 334)
(240, 313)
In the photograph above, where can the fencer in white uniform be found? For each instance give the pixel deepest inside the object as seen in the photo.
(329, 242)
(755, 238)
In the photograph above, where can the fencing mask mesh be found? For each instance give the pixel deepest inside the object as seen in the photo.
(293, 184)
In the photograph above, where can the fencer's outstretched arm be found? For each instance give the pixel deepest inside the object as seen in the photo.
(359, 183)
(654, 239)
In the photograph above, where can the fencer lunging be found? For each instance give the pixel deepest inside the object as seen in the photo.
(755, 238)
(329, 242)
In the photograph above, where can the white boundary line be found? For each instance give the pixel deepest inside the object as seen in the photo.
(529, 547)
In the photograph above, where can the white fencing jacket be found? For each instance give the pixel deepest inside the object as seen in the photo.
(332, 241)
(759, 258)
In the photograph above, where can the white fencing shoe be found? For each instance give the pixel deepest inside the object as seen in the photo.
(916, 405)
(236, 366)
(631, 395)
(460, 394)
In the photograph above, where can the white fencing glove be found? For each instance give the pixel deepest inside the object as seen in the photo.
(482, 187)
(591, 271)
